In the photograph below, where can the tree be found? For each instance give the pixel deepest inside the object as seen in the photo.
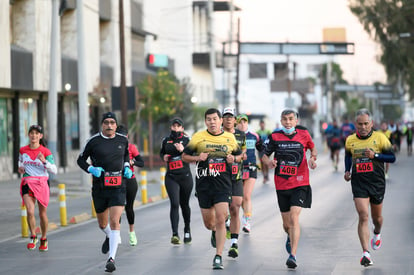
(388, 21)
(160, 98)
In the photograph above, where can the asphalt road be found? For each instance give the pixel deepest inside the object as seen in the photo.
(328, 244)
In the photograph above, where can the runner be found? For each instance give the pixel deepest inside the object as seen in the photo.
(291, 175)
(214, 151)
(131, 185)
(178, 180)
(35, 162)
(249, 170)
(347, 128)
(365, 154)
(384, 129)
(333, 139)
(409, 136)
(109, 156)
(263, 134)
(229, 121)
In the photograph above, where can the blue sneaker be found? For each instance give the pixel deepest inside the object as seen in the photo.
(291, 262)
(288, 247)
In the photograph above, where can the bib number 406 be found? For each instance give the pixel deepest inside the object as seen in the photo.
(364, 167)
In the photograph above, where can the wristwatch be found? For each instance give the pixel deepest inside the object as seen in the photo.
(376, 155)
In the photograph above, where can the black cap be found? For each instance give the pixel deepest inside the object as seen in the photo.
(37, 128)
(177, 120)
(108, 115)
(122, 129)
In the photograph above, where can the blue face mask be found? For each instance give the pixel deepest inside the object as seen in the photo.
(288, 131)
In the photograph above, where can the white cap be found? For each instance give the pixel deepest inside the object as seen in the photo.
(229, 110)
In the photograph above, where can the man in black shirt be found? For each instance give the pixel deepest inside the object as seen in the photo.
(108, 152)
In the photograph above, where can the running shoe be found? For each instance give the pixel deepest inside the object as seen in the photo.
(187, 238)
(110, 265)
(291, 262)
(366, 259)
(105, 246)
(376, 242)
(288, 247)
(175, 240)
(386, 176)
(246, 224)
(217, 262)
(213, 239)
(43, 245)
(228, 233)
(32, 244)
(234, 250)
(132, 239)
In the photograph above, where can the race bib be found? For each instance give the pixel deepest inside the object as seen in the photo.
(177, 164)
(113, 179)
(364, 166)
(288, 170)
(217, 166)
(234, 169)
(246, 173)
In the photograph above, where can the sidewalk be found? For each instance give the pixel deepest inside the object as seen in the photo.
(78, 201)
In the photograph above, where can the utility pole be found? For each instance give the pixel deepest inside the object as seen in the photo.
(52, 101)
(236, 91)
(83, 93)
(211, 45)
(124, 100)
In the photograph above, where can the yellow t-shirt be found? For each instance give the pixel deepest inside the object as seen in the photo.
(364, 169)
(215, 172)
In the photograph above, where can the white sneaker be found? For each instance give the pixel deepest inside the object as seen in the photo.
(246, 224)
(366, 259)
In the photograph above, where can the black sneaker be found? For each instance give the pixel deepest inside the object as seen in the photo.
(217, 262)
(291, 262)
(234, 250)
(213, 239)
(105, 246)
(187, 238)
(110, 265)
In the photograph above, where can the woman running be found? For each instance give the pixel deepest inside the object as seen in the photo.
(35, 162)
(131, 185)
(178, 180)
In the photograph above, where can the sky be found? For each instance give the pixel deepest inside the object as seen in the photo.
(303, 21)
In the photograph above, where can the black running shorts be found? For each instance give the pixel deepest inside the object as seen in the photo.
(375, 192)
(300, 196)
(206, 199)
(105, 198)
(237, 188)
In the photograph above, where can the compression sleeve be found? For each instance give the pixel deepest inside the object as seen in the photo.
(348, 162)
(139, 161)
(386, 157)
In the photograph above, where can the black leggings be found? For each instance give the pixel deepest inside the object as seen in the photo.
(179, 189)
(131, 192)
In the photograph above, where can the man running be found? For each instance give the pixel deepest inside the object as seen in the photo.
(365, 154)
(214, 151)
(109, 156)
(229, 121)
(263, 134)
(253, 142)
(293, 190)
(333, 139)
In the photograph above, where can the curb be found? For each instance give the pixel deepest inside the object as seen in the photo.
(79, 218)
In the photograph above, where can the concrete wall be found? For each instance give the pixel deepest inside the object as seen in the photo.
(5, 74)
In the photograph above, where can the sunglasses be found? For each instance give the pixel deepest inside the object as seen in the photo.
(107, 122)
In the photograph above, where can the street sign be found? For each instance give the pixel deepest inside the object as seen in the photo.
(362, 88)
(296, 48)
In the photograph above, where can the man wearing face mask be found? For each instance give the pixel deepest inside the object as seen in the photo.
(178, 180)
(293, 190)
